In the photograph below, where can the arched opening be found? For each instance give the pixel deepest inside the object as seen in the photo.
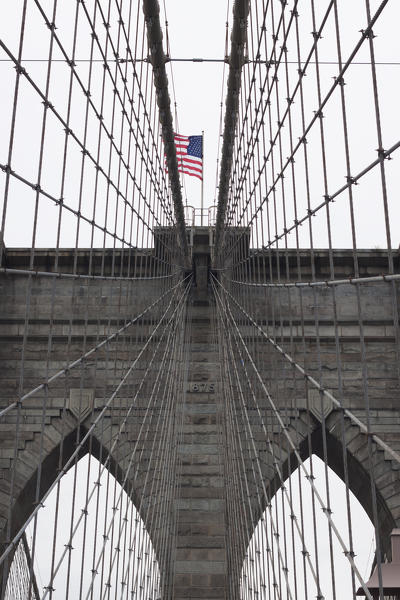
(295, 552)
(89, 541)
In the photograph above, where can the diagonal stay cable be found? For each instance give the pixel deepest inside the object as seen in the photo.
(89, 432)
(338, 80)
(82, 358)
(7, 168)
(264, 103)
(155, 390)
(385, 154)
(115, 442)
(60, 202)
(395, 455)
(71, 64)
(302, 140)
(275, 462)
(294, 449)
(155, 394)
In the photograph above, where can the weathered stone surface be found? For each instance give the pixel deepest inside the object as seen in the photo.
(286, 315)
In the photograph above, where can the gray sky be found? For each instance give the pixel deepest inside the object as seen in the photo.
(197, 29)
(363, 536)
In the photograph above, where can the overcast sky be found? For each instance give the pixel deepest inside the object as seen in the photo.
(197, 29)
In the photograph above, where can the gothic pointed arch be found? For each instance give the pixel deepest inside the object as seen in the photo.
(91, 497)
(294, 550)
(362, 464)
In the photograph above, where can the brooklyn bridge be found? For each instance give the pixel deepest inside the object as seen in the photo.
(199, 385)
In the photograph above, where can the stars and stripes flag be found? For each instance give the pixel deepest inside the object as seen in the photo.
(189, 152)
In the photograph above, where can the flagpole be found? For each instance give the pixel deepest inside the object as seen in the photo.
(202, 180)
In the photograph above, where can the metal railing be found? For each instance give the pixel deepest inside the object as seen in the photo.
(200, 216)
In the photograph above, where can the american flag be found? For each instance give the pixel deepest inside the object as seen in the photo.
(189, 152)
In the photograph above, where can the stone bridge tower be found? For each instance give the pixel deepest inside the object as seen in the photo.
(203, 399)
